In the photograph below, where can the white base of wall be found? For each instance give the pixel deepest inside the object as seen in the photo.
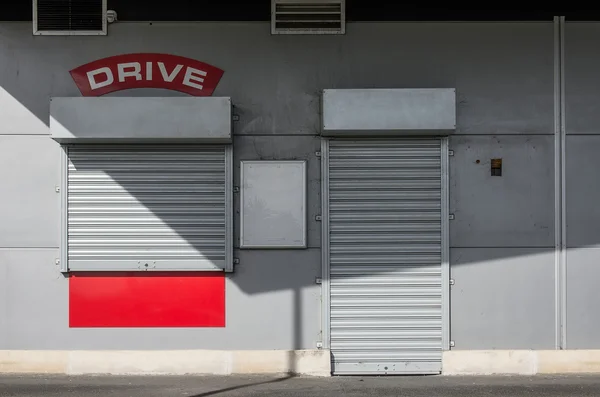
(521, 362)
(181, 362)
(303, 362)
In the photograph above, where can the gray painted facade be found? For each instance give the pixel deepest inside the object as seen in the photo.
(502, 237)
(582, 144)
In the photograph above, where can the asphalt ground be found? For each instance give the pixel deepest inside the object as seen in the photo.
(225, 386)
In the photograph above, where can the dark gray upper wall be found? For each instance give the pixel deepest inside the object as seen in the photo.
(503, 72)
(582, 102)
(582, 78)
(512, 210)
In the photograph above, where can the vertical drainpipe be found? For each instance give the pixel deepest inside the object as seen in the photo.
(560, 232)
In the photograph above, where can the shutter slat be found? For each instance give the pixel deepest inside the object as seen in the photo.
(130, 204)
(385, 252)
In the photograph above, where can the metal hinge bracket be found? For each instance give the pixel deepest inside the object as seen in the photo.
(318, 154)
(236, 261)
(452, 344)
(318, 280)
(318, 218)
(319, 345)
(451, 281)
(451, 217)
(236, 189)
(450, 152)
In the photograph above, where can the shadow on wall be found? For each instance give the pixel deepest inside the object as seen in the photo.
(486, 267)
(177, 207)
(493, 268)
(296, 279)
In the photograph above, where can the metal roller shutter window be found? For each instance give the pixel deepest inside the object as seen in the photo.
(146, 207)
(385, 256)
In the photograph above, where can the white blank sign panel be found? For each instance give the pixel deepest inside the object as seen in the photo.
(273, 204)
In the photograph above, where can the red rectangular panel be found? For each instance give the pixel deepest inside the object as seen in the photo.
(147, 299)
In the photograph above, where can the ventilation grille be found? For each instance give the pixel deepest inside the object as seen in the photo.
(69, 16)
(307, 17)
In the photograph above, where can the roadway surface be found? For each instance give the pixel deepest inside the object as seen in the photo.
(203, 386)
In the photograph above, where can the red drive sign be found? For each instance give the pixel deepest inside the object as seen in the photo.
(129, 71)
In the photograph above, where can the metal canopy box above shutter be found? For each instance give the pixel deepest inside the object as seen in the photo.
(389, 112)
(204, 119)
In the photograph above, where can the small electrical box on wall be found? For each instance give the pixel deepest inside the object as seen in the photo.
(273, 204)
(496, 167)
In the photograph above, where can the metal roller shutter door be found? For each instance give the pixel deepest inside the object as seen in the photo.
(146, 207)
(385, 231)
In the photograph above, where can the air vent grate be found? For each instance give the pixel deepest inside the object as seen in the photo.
(307, 17)
(69, 17)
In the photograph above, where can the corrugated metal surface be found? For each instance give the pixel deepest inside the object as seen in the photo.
(385, 256)
(132, 206)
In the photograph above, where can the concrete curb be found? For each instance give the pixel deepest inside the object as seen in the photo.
(302, 362)
(521, 362)
(179, 362)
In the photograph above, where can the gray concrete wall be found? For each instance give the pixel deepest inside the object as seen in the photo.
(582, 86)
(502, 242)
(501, 239)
